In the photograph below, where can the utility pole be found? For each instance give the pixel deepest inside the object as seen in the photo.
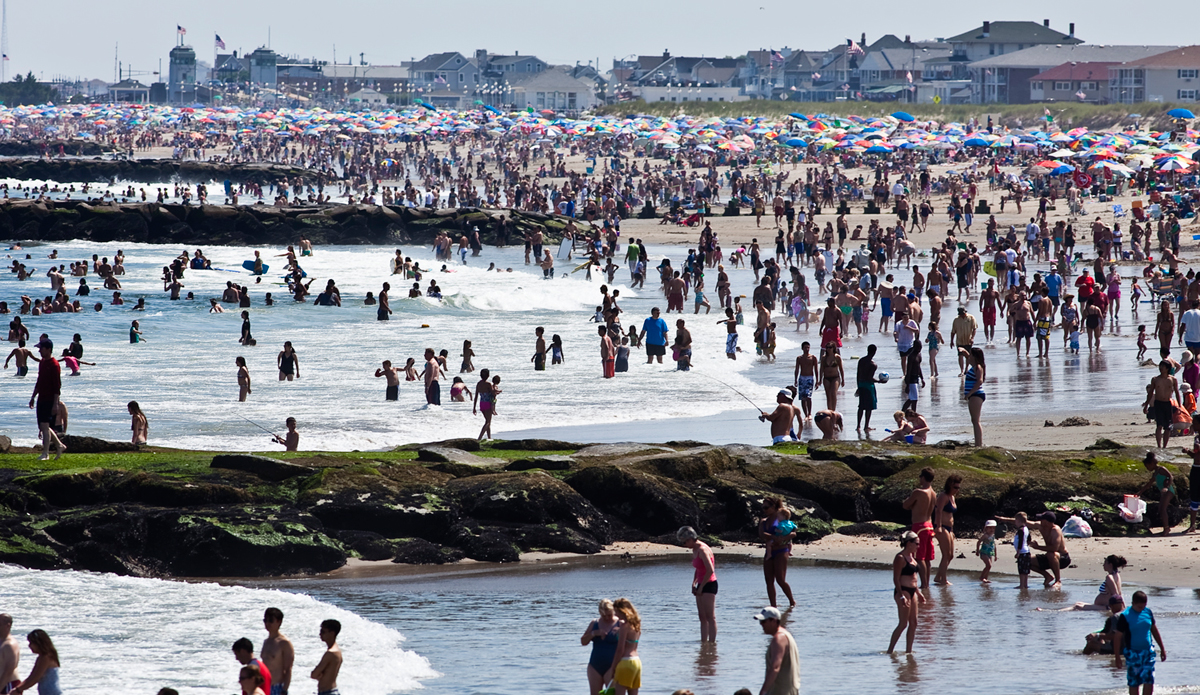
(4, 42)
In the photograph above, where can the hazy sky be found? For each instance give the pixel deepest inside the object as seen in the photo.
(74, 38)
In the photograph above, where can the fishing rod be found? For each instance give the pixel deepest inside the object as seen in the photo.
(734, 390)
(264, 429)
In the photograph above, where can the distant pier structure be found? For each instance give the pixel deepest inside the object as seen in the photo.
(181, 78)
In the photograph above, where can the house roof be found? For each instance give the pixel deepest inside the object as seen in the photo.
(366, 72)
(438, 61)
(893, 41)
(1047, 56)
(554, 79)
(1014, 32)
(1185, 57)
(900, 58)
(1076, 71)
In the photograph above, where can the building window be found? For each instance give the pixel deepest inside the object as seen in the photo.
(1036, 86)
(571, 100)
(991, 49)
(710, 98)
(541, 100)
(1187, 95)
(662, 98)
(1188, 74)
(1062, 86)
(721, 99)
(1088, 86)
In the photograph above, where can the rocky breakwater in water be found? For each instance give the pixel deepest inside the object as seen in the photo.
(196, 225)
(169, 513)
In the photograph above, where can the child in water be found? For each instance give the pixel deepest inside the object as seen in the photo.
(1141, 341)
(622, 361)
(556, 349)
(1075, 341)
(985, 548)
(459, 391)
(467, 354)
(410, 370)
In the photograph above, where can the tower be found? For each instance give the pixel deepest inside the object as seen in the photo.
(181, 76)
(263, 62)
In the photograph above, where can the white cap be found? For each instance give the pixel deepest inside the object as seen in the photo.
(989, 523)
(769, 613)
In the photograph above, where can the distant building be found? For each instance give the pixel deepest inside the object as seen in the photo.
(1005, 79)
(1067, 81)
(554, 89)
(129, 90)
(367, 97)
(445, 73)
(263, 68)
(1169, 76)
(181, 79)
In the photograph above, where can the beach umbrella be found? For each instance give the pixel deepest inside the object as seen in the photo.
(1062, 169)
(903, 116)
(797, 142)
(975, 142)
(1180, 113)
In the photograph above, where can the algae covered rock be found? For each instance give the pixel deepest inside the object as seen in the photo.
(644, 502)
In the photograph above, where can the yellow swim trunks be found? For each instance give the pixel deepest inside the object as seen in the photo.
(629, 672)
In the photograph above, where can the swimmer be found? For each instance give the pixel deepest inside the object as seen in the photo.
(392, 374)
(243, 378)
(214, 307)
(21, 354)
(457, 390)
(326, 672)
(135, 333)
(467, 354)
(290, 441)
(288, 362)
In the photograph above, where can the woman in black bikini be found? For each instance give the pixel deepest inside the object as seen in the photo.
(906, 594)
(775, 560)
(944, 507)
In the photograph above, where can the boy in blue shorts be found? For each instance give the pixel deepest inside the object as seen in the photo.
(1135, 626)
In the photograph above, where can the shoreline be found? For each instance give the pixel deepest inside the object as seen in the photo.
(1178, 568)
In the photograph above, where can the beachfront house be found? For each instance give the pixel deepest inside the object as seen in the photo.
(1073, 81)
(668, 78)
(1172, 75)
(554, 89)
(991, 39)
(1005, 79)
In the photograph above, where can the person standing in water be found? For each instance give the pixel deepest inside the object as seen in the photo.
(10, 655)
(906, 593)
(433, 371)
(602, 635)
(539, 350)
(326, 672)
(944, 507)
(277, 653)
(288, 363)
(243, 378)
(626, 668)
(46, 392)
(484, 401)
(291, 440)
(140, 425)
(920, 503)
(783, 658)
(704, 581)
(384, 310)
(392, 375)
(45, 670)
(778, 548)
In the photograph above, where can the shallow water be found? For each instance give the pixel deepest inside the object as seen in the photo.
(513, 631)
(122, 634)
(184, 375)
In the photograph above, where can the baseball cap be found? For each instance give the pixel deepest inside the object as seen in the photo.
(785, 393)
(1047, 516)
(769, 613)
(989, 523)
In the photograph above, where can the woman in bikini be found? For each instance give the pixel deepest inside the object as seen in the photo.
(626, 668)
(832, 375)
(1164, 327)
(944, 507)
(973, 392)
(906, 594)
(704, 582)
(1110, 588)
(778, 549)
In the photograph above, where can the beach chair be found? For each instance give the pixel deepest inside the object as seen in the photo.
(1118, 211)
(1155, 211)
(1162, 288)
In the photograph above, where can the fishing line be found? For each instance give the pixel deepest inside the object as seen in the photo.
(734, 390)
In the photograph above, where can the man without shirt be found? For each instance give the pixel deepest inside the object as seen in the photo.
(277, 652)
(10, 655)
(807, 372)
(433, 371)
(920, 503)
(326, 672)
(781, 418)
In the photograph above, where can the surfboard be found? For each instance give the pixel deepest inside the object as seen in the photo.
(564, 249)
(989, 267)
(249, 265)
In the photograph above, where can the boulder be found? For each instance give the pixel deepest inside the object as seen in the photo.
(486, 545)
(366, 544)
(832, 484)
(73, 488)
(555, 538)
(689, 465)
(5, 444)
(416, 551)
(29, 548)
(528, 498)
(553, 462)
(266, 468)
(442, 454)
(648, 504)
(867, 460)
(871, 528)
(624, 449)
(161, 492)
(534, 445)
(390, 513)
(91, 445)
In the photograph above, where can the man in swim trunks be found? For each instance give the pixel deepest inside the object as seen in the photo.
(433, 371)
(1050, 563)
(654, 335)
(277, 653)
(1022, 316)
(1159, 393)
(781, 418)
(392, 375)
(10, 655)
(988, 300)
(920, 503)
(22, 355)
(807, 366)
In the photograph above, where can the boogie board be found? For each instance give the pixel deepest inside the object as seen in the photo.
(989, 267)
(249, 265)
(565, 248)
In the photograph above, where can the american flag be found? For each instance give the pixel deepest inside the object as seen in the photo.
(1080, 94)
(816, 75)
(776, 57)
(439, 79)
(220, 43)
(180, 30)
(5, 56)
(908, 75)
(853, 48)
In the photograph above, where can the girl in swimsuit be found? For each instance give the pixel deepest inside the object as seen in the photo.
(484, 401)
(602, 635)
(1162, 481)
(973, 381)
(45, 670)
(944, 507)
(906, 593)
(1109, 588)
(832, 377)
(778, 549)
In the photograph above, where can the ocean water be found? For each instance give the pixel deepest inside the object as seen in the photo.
(515, 630)
(124, 634)
(184, 375)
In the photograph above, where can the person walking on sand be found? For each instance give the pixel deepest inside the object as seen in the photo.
(277, 653)
(484, 401)
(288, 363)
(778, 548)
(46, 392)
(140, 425)
(326, 672)
(704, 581)
(1162, 389)
(626, 669)
(291, 440)
(920, 503)
(906, 593)
(45, 669)
(243, 378)
(783, 658)
(944, 507)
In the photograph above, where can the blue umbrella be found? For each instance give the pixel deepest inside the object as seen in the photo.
(795, 142)
(798, 115)
(877, 149)
(1062, 169)
(1180, 113)
(976, 142)
(902, 116)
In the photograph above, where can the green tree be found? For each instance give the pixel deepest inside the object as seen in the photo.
(26, 91)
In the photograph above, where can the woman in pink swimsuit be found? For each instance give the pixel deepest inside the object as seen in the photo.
(704, 582)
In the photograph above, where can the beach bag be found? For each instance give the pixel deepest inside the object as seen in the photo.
(1132, 509)
(1076, 527)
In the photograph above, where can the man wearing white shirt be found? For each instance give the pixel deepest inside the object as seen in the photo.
(1189, 328)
